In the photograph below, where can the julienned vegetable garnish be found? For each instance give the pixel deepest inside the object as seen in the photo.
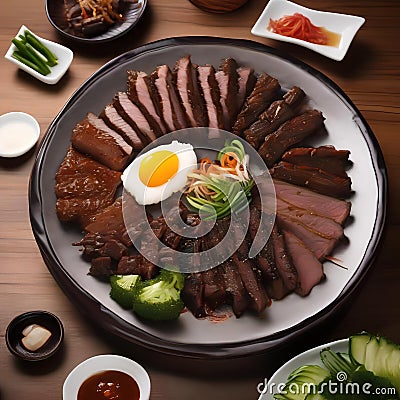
(33, 53)
(223, 186)
(372, 363)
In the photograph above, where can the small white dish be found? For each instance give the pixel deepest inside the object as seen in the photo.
(19, 132)
(106, 362)
(64, 55)
(343, 24)
(267, 389)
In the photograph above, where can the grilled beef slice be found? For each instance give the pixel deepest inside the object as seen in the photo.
(284, 265)
(102, 267)
(309, 269)
(326, 158)
(190, 92)
(136, 265)
(305, 199)
(83, 187)
(211, 95)
(115, 121)
(275, 115)
(94, 138)
(227, 78)
(264, 92)
(246, 82)
(172, 111)
(193, 295)
(131, 113)
(313, 178)
(326, 227)
(319, 245)
(214, 288)
(140, 92)
(290, 133)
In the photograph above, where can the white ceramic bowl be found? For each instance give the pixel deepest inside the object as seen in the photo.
(64, 55)
(105, 362)
(19, 132)
(343, 24)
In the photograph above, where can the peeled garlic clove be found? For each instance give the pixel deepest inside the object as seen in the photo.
(36, 337)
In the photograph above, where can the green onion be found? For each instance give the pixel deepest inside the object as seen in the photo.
(52, 59)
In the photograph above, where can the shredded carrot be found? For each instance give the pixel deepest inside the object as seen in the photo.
(229, 160)
(300, 27)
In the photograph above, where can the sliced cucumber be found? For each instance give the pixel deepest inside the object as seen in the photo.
(378, 355)
(302, 380)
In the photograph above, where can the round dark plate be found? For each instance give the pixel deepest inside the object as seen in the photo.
(56, 15)
(285, 319)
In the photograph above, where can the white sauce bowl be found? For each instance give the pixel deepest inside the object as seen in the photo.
(19, 132)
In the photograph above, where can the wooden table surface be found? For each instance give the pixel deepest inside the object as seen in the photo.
(369, 75)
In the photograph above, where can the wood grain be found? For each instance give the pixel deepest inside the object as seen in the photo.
(369, 75)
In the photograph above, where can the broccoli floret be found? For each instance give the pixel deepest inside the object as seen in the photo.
(159, 299)
(122, 289)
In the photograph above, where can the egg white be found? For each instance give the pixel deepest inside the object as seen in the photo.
(146, 195)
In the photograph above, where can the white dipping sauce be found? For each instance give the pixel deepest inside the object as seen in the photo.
(18, 134)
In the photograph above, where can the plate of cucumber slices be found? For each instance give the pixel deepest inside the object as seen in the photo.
(364, 366)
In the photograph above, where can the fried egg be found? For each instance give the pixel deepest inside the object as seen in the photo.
(157, 174)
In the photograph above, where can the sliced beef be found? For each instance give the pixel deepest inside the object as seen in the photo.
(285, 268)
(310, 271)
(190, 92)
(227, 78)
(275, 115)
(319, 245)
(214, 288)
(326, 158)
(265, 258)
(172, 111)
(264, 92)
(94, 138)
(290, 133)
(83, 187)
(131, 113)
(249, 273)
(246, 81)
(302, 198)
(102, 267)
(237, 295)
(326, 227)
(294, 97)
(211, 95)
(140, 92)
(313, 178)
(117, 123)
(193, 295)
(136, 265)
(105, 244)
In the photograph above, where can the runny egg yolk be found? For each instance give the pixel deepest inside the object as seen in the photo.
(158, 168)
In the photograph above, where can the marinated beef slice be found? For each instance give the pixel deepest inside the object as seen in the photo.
(326, 158)
(275, 115)
(305, 199)
(171, 108)
(83, 187)
(136, 265)
(189, 91)
(309, 269)
(140, 91)
(265, 91)
(246, 82)
(211, 95)
(94, 138)
(227, 78)
(313, 178)
(290, 133)
(131, 113)
(114, 120)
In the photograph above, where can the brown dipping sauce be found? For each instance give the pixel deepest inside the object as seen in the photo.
(110, 385)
